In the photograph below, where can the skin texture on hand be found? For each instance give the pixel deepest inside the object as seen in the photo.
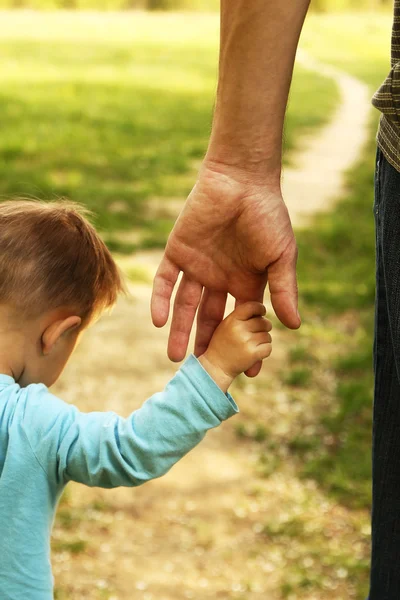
(234, 233)
(231, 237)
(239, 342)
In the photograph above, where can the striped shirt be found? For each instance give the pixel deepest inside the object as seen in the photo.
(387, 100)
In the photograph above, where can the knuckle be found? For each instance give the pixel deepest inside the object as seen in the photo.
(265, 351)
(268, 350)
(256, 306)
(235, 327)
(244, 337)
(184, 303)
(267, 326)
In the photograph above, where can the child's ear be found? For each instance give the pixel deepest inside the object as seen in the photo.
(53, 333)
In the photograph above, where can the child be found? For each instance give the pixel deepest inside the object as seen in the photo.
(56, 278)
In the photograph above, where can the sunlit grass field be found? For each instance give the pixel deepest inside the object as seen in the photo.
(115, 110)
(330, 360)
(337, 273)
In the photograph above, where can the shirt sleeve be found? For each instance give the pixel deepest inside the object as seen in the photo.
(103, 449)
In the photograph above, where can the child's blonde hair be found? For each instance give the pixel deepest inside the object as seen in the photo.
(51, 257)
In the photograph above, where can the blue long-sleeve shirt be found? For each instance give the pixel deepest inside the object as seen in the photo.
(45, 443)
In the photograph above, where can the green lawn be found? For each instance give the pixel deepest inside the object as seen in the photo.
(337, 273)
(115, 110)
(330, 366)
(331, 355)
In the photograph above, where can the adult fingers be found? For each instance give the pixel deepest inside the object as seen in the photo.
(163, 285)
(210, 315)
(254, 370)
(186, 302)
(283, 288)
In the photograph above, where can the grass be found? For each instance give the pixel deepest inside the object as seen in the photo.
(72, 546)
(337, 285)
(70, 536)
(113, 111)
(337, 274)
(189, 5)
(357, 43)
(339, 293)
(328, 381)
(298, 377)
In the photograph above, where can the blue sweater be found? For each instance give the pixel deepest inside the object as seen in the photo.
(44, 443)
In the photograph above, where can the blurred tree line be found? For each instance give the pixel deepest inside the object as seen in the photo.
(206, 5)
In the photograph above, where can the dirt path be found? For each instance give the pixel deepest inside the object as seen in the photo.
(201, 531)
(317, 179)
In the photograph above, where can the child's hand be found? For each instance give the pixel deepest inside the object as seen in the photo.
(240, 341)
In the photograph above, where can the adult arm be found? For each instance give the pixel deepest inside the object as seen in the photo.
(234, 232)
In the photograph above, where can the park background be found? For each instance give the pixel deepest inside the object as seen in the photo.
(113, 109)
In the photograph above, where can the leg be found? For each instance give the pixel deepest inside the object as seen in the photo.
(385, 562)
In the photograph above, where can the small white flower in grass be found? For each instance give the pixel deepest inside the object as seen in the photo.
(342, 573)
(258, 527)
(308, 562)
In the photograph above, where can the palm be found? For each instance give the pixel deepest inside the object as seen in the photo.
(227, 239)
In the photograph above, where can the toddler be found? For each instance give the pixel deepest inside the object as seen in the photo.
(56, 279)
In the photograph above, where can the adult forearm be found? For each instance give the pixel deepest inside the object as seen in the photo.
(258, 46)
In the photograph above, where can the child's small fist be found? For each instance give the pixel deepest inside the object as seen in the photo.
(239, 342)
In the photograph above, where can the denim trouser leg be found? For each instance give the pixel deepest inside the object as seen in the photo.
(385, 561)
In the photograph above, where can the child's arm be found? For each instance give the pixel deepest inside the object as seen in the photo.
(103, 449)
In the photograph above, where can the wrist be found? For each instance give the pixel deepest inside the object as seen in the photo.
(216, 372)
(252, 173)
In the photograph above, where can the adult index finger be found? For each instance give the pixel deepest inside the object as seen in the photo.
(163, 285)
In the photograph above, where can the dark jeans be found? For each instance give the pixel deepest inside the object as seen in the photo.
(385, 561)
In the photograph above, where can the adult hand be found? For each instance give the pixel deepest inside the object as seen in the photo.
(232, 236)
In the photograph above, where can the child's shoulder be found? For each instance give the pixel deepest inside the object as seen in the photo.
(32, 407)
(38, 420)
